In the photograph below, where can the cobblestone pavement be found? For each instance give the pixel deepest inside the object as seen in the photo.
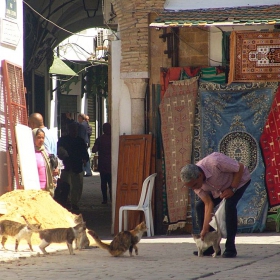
(160, 257)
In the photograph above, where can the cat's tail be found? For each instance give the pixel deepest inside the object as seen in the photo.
(30, 226)
(98, 241)
(25, 219)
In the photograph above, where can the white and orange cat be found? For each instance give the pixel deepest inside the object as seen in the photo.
(212, 238)
(18, 231)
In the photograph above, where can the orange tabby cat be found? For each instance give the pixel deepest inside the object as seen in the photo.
(123, 241)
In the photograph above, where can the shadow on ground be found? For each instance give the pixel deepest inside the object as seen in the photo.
(97, 215)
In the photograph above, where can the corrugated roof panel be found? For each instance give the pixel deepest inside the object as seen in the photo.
(267, 14)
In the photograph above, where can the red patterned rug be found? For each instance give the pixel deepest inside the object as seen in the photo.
(177, 118)
(254, 56)
(270, 145)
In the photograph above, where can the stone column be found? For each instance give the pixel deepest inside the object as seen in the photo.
(137, 89)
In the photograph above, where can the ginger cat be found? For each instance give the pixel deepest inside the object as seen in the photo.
(59, 235)
(123, 241)
(18, 231)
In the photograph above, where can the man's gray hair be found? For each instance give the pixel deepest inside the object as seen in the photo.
(189, 172)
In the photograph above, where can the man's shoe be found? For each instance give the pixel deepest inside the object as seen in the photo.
(207, 253)
(229, 254)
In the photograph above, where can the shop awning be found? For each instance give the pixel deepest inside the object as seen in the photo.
(257, 15)
(61, 68)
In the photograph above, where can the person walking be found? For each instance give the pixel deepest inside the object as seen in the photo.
(214, 178)
(89, 128)
(72, 150)
(83, 133)
(102, 145)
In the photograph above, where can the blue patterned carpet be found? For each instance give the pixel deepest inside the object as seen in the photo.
(230, 119)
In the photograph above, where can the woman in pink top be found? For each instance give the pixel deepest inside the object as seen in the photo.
(43, 161)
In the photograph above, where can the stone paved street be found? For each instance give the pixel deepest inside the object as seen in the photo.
(160, 257)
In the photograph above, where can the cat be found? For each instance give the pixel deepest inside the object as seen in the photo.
(123, 241)
(59, 235)
(82, 241)
(18, 231)
(212, 238)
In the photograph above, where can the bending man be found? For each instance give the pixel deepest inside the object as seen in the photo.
(213, 178)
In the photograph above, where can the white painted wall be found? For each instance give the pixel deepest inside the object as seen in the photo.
(121, 116)
(14, 55)
(202, 4)
(53, 107)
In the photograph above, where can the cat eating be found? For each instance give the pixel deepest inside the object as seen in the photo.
(123, 241)
(59, 235)
(82, 241)
(212, 238)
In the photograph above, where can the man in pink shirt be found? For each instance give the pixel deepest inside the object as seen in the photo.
(213, 178)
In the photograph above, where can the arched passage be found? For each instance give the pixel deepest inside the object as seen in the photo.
(45, 26)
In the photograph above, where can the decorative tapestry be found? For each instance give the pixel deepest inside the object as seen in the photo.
(254, 56)
(270, 144)
(177, 117)
(231, 120)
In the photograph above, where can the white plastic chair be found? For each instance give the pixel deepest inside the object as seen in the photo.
(143, 205)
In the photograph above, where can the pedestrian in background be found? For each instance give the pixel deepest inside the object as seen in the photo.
(89, 129)
(102, 145)
(72, 150)
(45, 171)
(83, 133)
(36, 120)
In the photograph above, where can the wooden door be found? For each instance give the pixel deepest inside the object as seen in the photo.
(134, 165)
(15, 113)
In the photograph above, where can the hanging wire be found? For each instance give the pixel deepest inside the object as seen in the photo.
(81, 35)
(136, 21)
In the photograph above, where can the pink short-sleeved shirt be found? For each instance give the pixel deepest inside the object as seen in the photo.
(219, 169)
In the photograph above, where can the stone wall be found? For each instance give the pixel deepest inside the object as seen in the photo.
(133, 18)
(142, 50)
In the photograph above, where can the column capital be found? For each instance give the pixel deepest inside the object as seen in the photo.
(136, 87)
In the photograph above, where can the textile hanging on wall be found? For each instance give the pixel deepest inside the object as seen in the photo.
(177, 117)
(270, 145)
(254, 56)
(230, 119)
(211, 74)
(176, 74)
